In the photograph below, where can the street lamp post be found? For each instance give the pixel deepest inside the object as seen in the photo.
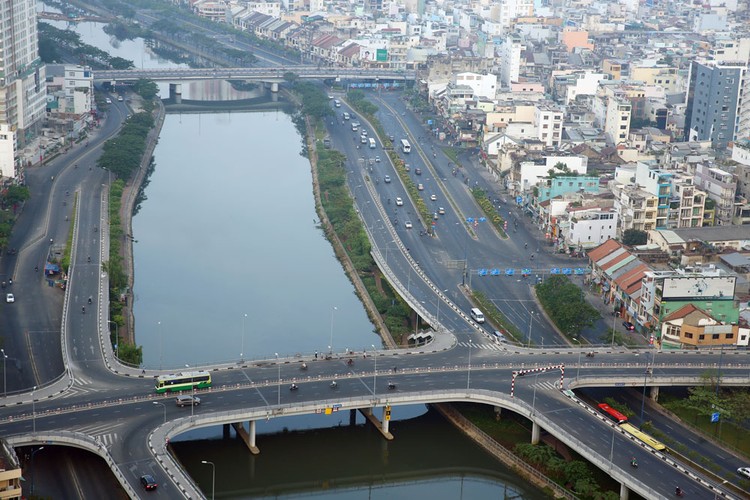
(468, 372)
(580, 350)
(330, 346)
(161, 344)
(531, 317)
(533, 399)
(33, 474)
(213, 477)
(643, 396)
(375, 374)
(5, 362)
(33, 411)
(242, 347)
(117, 336)
(165, 409)
(439, 300)
(192, 390)
(614, 319)
(278, 400)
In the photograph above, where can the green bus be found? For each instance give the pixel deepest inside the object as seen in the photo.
(185, 381)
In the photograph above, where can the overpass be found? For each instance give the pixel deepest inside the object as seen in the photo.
(258, 391)
(268, 74)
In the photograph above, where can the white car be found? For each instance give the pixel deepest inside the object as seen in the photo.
(387, 179)
(433, 197)
(399, 202)
(408, 224)
(744, 471)
(10, 298)
(441, 211)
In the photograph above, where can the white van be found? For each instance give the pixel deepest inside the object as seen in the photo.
(477, 315)
(337, 103)
(346, 116)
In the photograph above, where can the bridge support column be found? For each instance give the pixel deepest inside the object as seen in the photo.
(382, 427)
(274, 86)
(536, 432)
(498, 412)
(226, 434)
(247, 437)
(624, 492)
(352, 417)
(175, 92)
(654, 393)
(386, 419)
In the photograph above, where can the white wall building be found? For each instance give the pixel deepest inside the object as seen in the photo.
(483, 85)
(510, 57)
(22, 76)
(586, 84)
(590, 227)
(549, 122)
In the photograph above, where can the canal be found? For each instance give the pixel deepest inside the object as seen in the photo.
(230, 263)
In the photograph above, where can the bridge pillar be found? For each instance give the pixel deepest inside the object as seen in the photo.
(175, 92)
(624, 492)
(654, 393)
(385, 420)
(382, 427)
(247, 437)
(536, 432)
(274, 86)
(352, 417)
(498, 412)
(226, 434)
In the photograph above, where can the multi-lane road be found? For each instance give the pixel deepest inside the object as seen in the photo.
(120, 412)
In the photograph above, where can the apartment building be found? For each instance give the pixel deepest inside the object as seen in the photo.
(713, 101)
(636, 206)
(589, 227)
(549, 121)
(617, 120)
(721, 187)
(22, 82)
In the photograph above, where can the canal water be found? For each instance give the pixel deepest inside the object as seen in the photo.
(230, 263)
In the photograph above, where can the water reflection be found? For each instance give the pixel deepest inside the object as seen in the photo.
(229, 229)
(426, 458)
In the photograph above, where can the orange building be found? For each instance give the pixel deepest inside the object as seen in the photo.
(574, 38)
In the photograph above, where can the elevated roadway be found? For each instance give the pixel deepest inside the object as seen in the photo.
(267, 74)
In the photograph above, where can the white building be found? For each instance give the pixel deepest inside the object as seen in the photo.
(510, 57)
(549, 122)
(530, 172)
(22, 79)
(586, 83)
(483, 85)
(590, 227)
(617, 120)
(79, 89)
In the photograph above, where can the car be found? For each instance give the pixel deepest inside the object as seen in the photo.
(108, 100)
(377, 159)
(441, 210)
(499, 336)
(435, 216)
(433, 197)
(420, 187)
(744, 471)
(364, 133)
(148, 482)
(628, 325)
(10, 298)
(187, 401)
(407, 224)
(407, 167)
(392, 138)
(418, 171)
(387, 179)
(399, 202)
(120, 98)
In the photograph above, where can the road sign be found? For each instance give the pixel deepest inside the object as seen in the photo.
(519, 199)
(715, 417)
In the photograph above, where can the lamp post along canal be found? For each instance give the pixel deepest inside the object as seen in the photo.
(165, 409)
(278, 366)
(5, 362)
(375, 373)
(213, 477)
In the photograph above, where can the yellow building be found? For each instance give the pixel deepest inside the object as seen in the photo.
(10, 472)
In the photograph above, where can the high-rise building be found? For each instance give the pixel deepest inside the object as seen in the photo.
(22, 81)
(713, 101)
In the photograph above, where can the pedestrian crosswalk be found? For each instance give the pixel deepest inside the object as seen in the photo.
(81, 385)
(553, 386)
(485, 346)
(104, 434)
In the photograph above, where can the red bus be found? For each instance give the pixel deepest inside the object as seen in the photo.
(612, 413)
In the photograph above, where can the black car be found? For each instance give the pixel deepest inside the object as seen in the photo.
(148, 482)
(628, 325)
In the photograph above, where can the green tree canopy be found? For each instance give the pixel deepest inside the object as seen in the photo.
(565, 304)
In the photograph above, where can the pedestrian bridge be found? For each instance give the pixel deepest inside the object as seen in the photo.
(267, 74)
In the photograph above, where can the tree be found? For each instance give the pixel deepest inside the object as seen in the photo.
(565, 304)
(633, 237)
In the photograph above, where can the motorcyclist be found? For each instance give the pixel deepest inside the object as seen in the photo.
(83, 309)
(678, 491)
(334, 384)
(633, 462)
(293, 387)
(90, 300)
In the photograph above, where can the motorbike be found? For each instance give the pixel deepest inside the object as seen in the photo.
(391, 386)
(303, 367)
(293, 387)
(334, 385)
(83, 309)
(678, 491)
(90, 300)
(350, 362)
(590, 354)
(634, 463)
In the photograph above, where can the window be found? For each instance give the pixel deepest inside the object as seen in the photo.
(688, 335)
